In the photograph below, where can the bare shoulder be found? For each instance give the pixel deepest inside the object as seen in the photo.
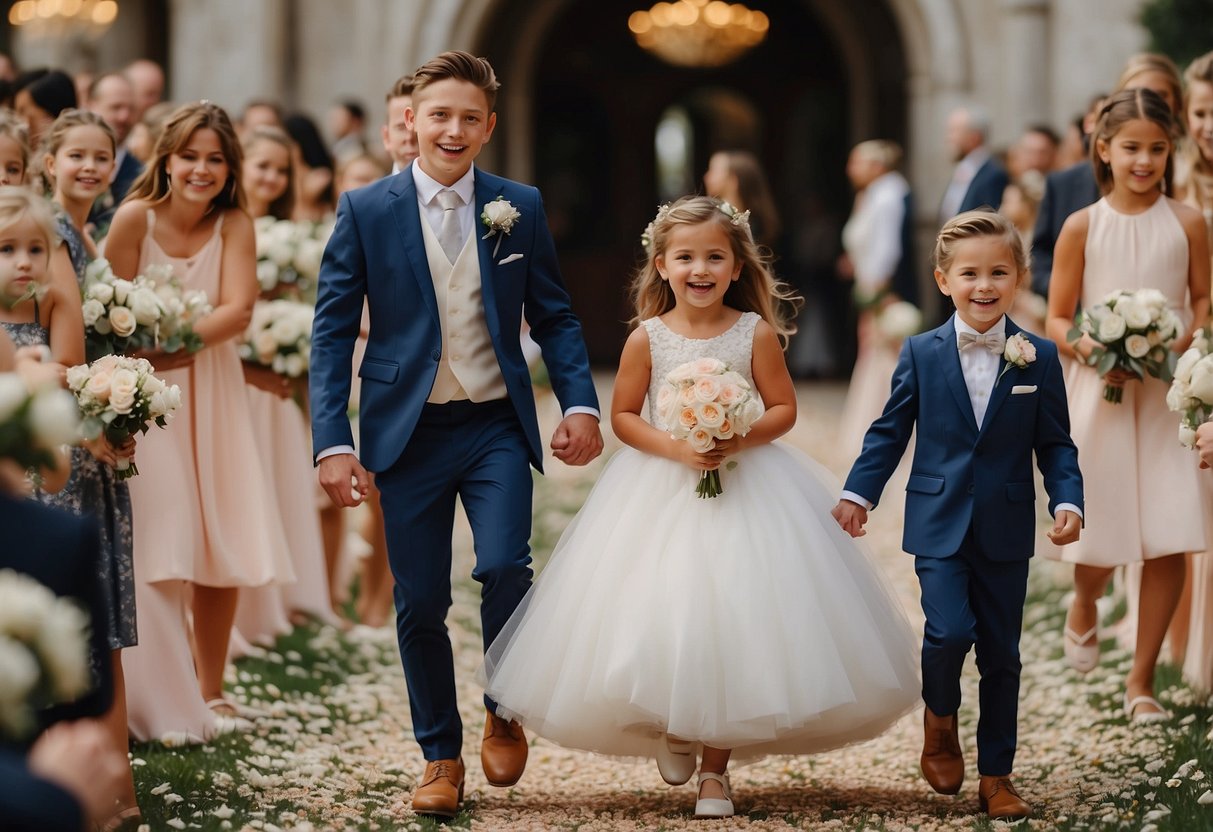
(237, 220)
(1190, 218)
(638, 340)
(131, 217)
(1077, 223)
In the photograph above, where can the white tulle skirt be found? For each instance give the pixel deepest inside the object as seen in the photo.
(750, 621)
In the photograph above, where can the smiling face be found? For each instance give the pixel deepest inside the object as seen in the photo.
(266, 173)
(452, 122)
(12, 162)
(1137, 155)
(199, 171)
(981, 280)
(1200, 117)
(699, 264)
(82, 165)
(24, 257)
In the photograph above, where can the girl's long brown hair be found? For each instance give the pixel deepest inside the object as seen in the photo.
(153, 183)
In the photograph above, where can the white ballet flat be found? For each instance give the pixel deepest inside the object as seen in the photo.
(714, 807)
(1147, 717)
(1080, 655)
(676, 760)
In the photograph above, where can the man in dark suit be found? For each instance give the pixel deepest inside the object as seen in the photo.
(113, 98)
(978, 179)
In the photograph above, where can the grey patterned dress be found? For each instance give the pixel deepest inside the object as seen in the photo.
(93, 490)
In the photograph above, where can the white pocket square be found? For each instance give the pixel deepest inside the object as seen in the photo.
(1023, 388)
(509, 259)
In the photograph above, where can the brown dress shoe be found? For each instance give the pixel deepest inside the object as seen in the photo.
(503, 751)
(942, 761)
(998, 798)
(441, 789)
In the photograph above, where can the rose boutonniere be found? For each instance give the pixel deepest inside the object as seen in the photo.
(1019, 352)
(499, 216)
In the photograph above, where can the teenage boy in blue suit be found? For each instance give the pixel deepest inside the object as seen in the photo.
(446, 256)
(984, 397)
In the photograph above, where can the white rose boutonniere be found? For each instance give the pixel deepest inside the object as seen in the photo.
(499, 216)
(1019, 352)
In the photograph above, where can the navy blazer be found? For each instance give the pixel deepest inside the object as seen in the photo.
(102, 212)
(986, 187)
(30, 804)
(1066, 192)
(377, 252)
(965, 474)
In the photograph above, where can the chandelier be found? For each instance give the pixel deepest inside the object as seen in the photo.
(698, 32)
(59, 18)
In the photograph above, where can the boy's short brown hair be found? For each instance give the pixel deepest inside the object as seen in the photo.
(462, 67)
(402, 87)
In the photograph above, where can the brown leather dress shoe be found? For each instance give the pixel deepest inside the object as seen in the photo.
(503, 751)
(998, 798)
(441, 789)
(942, 761)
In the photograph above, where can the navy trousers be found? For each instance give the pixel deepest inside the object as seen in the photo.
(970, 600)
(477, 452)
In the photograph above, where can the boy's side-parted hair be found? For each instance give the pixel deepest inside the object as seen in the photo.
(979, 223)
(17, 203)
(404, 86)
(153, 183)
(1121, 108)
(461, 66)
(756, 289)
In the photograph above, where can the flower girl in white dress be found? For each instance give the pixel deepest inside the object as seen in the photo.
(749, 623)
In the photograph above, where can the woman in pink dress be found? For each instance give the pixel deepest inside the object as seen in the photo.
(205, 522)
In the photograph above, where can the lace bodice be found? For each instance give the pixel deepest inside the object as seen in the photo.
(668, 350)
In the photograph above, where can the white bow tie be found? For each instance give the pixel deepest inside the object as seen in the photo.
(992, 341)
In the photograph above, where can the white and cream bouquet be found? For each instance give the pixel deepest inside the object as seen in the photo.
(1134, 331)
(44, 657)
(703, 401)
(152, 311)
(899, 320)
(1191, 393)
(35, 420)
(289, 255)
(119, 397)
(279, 336)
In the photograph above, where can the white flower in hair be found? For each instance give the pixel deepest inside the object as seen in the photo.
(738, 218)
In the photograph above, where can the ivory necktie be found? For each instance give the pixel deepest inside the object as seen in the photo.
(993, 341)
(449, 236)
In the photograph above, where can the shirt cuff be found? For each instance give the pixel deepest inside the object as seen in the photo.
(577, 408)
(333, 451)
(1068, 507)
(857, 499)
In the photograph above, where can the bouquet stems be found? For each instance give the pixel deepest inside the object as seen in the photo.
(709, 485)
(1113, 393)
(125, 469)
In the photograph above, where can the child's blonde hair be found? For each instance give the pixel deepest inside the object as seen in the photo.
(18, 203)
(11, 127)
(971, 225)
(280, 208)
(67, 121)
(1198, 171)
(756, 289)
(1144, 62)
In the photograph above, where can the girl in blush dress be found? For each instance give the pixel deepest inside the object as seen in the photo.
(204, 514)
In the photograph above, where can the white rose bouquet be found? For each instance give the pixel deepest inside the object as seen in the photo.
(119, 396)
(279, 336)
(703, 401)
(1191, 393)
(44, 656)
(34, 422)
(899, 320)
(1134, 331)
(150, 312)
(289, 254)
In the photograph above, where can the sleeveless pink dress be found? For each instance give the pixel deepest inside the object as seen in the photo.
(203, 512)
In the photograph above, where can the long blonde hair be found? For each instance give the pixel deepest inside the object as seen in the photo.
(17, 203)
(1196, 169)
(756, 289)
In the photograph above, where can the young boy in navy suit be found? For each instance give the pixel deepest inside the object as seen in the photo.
(984, 396)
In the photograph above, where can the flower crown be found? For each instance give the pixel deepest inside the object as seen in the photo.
(741, 219)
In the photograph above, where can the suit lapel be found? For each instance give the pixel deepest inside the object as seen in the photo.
(949, 358)
(486, 191)
(1002, 384)
(408, 221)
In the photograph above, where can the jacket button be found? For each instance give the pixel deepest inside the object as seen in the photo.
(972, 488)
(435, 354)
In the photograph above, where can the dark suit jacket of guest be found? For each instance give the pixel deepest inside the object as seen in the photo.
(1066, 192)
(905, 277)
(103, 209)
(30, 804)
(61, 551)
(986, 187)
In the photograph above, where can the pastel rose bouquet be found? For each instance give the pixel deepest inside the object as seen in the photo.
(151, 311)
(899, 320)
(35, 420)
(119, 397)
(44, 656)
(1134, 331)
(703, 401)
(289, 255)
(279, 336)
(1191, 393)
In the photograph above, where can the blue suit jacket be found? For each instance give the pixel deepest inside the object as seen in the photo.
(964, 473)
(986, 187)
(377, 252)
(1066, 192)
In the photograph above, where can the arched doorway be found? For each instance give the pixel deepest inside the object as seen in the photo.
(829, 73)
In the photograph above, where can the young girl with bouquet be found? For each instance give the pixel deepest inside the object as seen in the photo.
(666, 623)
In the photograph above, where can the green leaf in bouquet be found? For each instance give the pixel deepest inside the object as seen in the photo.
(108, 416)
(1105, 363)
(1074, 335)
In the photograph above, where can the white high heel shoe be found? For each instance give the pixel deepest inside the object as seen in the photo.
(714, 807)
(676, 760)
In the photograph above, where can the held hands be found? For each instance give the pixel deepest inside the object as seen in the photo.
(577, 440)
(852, 517)
(1066, 527)
(707, 460)
(344, 479)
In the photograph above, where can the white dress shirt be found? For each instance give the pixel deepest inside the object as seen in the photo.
(872, 235)
(962, 177)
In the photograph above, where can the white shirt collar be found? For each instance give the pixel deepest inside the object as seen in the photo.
(972, 163)
(428, 187)
(1000, 326)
